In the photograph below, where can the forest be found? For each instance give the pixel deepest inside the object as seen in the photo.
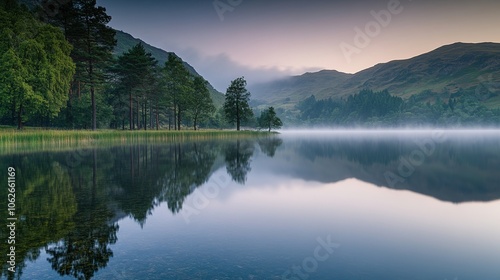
(57, 70)
(377, 109)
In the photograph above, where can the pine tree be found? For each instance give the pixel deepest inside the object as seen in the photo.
(136, 72)
(85, 27)
(200, 104)
(178, 83)
(236, 106)
(269, 120)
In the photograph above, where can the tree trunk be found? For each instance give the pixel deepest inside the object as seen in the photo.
(131, 111)
(138, 116)
(145, 115)
(237, 116)
(151, 115)
(94, 112)
(19, 118)
(170, 120)
(91, 78)
(179, 118)
(157, 118)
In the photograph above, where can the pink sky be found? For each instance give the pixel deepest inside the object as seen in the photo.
(262, 40)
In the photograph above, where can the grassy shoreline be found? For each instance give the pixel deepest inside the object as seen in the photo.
(13, 138)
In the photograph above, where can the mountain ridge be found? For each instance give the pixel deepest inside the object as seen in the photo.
(125, 41)
(444, 70)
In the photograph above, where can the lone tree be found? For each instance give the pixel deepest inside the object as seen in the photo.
(269, 120)
(236, 108)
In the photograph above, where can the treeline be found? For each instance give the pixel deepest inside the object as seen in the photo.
(462, 108)
(69, 77)
(58, 70)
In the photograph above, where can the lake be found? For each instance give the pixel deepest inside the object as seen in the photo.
(299, 205)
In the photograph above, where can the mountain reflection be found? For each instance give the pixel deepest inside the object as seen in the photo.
(455, 170)
(72, 210)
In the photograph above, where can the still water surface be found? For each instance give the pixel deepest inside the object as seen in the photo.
(330, 205)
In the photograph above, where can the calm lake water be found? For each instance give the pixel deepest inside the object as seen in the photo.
(300, 205)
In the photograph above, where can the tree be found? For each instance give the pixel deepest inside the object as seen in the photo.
(136, 72)
(85, 27)
(269, 120)
(35, 69)
(200, 104)
(178, 86)
(236, 106)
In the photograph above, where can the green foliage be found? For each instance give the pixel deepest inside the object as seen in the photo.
(459, 65)
(269, 120)
(200, 104)
(83, 116)
(126, 41)
(85, 27)
(35, 69)
(178, 86)
(136, 71)
(236, 107)
(50, 75)
(380, 109)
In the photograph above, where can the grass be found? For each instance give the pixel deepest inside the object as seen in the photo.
(35, 139)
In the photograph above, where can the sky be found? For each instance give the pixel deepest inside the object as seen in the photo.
(264, 40)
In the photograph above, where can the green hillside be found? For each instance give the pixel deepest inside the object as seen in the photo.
(471, 67)
(126, 41)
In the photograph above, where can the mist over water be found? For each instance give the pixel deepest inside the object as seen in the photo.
(392, 132)
(397, 204)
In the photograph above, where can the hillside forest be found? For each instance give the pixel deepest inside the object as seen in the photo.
(61, 70)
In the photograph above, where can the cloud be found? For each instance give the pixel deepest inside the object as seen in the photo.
(221, 69)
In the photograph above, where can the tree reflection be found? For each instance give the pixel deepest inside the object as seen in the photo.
(45, 208)
(71, 211)
(268, 145)
(84, 251)
(237, 157)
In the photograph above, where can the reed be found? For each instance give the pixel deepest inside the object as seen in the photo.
(11, 139)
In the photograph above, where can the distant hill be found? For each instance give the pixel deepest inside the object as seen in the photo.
(126, 41)
(442, 71)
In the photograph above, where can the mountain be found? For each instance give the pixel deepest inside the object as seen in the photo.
(442, 71)
(126, 41)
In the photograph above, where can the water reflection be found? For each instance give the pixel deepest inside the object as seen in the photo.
(455, 168)
(72, 211)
